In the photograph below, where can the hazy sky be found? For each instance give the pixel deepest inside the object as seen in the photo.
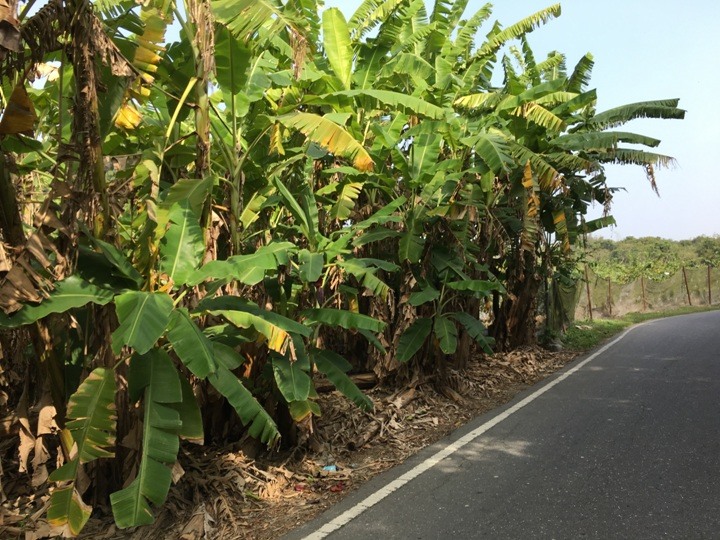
(643, 50)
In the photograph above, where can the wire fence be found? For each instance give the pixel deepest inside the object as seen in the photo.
(691, 286)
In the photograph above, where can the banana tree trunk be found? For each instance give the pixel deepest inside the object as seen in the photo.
(514, 324)
(204, 50)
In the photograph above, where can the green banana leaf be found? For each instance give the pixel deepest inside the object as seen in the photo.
(475, 330)
(251, 413)
(311, 265)
(245, 17)
(413, 338)
(273, 326)
(481, 286)
(72, 292)
(336, 42)
(91, 420)
(410, 247)
(117, 259)
(294, 384)
(446, 334)
(342, 318)
(428, 294)
(248, 269)
(193, 348)
(92, 423)
(143, 317)
(193, 191)
(68, 511)
(232, 60)
(364, 272)
(404, 102)
(183, 245)
(335, 368)
(154, 377)
(190, 415)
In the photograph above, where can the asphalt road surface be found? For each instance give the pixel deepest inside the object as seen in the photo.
(624, 443)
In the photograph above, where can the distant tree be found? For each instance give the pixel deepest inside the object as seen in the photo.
(707, 249)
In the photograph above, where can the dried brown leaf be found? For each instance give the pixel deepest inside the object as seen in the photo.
(19, 116)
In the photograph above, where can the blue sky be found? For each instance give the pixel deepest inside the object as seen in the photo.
(644, 50)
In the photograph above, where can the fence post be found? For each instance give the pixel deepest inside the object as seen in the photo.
(587, 288)
(644, 298)
(687, 287)
(609, 297)
(709, 287)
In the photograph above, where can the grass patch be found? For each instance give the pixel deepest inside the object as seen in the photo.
(585, 335)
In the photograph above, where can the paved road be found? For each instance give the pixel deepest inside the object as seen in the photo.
(623, 444)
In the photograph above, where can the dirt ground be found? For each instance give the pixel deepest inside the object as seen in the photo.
(237, 492)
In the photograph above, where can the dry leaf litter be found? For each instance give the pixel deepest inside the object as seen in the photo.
(236, 492)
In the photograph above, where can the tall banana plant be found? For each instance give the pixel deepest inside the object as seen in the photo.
(294, 194)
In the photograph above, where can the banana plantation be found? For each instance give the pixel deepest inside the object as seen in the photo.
(207, 208)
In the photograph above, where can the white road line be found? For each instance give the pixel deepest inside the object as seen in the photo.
(433, 460)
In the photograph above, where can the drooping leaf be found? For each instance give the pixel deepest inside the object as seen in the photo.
(365, 272)
(601, 140)
(597, 224)
(91, 419)
(329, 135)
(397, 100)
(335, 367)
(190, 415)
(538, 114)
(245, 17)
(183, 246)
(273, 326)
(413, 338)
(476, 285)
(161, 390)
(68, 511)
(19, 116)
(475, 329)
(251, 413)
(143, 317)
(346, 199)
(248, 269)
(292, 381)
(117, 259)
(72, 292)
(300, 410)
(373, 340)
(484, 100)
(193, 348)
(241, 305)
(342, 318)
(427, 294)
(493, 149)
(663, 108)
(227, 356)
